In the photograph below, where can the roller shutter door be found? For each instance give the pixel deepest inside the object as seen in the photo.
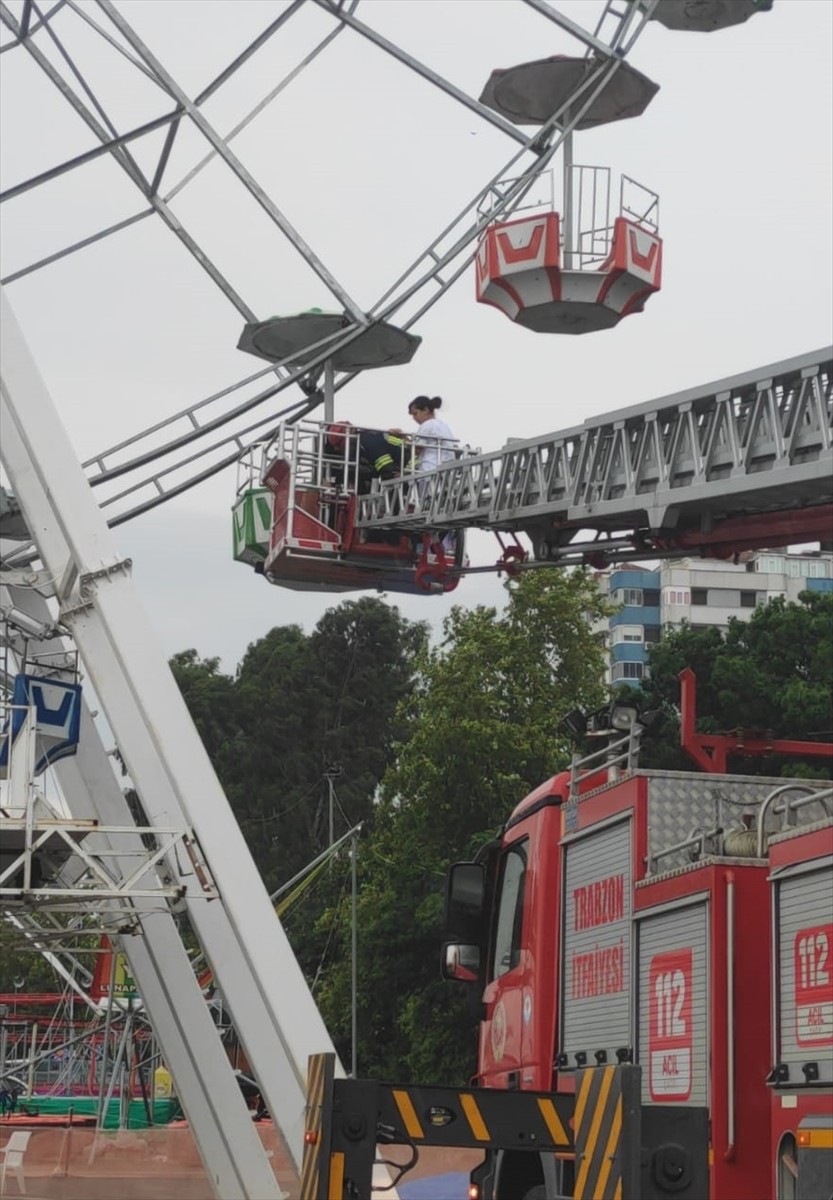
(804, 924)
(596, 974)
(673, 1006)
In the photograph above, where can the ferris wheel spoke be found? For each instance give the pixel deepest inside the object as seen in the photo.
(248, 181)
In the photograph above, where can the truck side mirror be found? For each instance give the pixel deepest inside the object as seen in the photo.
(465, 899)
(461, 961)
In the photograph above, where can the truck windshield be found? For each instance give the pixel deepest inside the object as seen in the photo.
(506, 952)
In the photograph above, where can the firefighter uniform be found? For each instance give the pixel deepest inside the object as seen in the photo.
(381, 453)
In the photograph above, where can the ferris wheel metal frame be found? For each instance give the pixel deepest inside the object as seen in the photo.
(179, 452)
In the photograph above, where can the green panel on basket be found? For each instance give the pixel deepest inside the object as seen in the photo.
(252, 521)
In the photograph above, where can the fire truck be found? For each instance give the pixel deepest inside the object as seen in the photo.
(681, 922)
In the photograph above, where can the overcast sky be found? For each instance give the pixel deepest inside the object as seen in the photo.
(369, 163)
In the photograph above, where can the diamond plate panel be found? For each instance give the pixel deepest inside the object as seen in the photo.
(680, 804)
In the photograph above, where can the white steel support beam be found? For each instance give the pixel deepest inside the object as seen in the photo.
(227, 1140)
(273, 1011)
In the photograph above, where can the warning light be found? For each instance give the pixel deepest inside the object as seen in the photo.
(474, 1191)
(804, 1137)
(311, 1137)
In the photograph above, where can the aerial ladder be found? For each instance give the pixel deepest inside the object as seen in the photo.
(740, 464)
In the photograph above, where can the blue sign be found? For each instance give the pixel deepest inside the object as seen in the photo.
(57, 718)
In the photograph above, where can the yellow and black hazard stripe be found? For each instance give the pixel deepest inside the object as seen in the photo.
(438, 1116)
(314, 1186)
(346, 1117)
(605, 1101)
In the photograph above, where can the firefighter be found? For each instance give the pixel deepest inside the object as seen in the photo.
(381, 455)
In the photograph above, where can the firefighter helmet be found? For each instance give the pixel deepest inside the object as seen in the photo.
(337, 435)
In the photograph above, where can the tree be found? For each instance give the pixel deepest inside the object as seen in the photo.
(209, 697)
(770, 673)
(19, 961)
(482, 731)
(299, 705)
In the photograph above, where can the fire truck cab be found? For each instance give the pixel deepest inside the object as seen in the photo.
(627, 919)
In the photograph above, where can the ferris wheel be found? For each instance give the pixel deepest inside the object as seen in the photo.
(573, 261)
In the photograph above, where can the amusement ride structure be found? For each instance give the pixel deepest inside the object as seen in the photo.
(718, 469)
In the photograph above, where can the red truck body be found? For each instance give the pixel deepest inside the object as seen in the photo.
(801, 877)
(637, 921)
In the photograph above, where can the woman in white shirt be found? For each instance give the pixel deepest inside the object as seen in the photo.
(435, 443)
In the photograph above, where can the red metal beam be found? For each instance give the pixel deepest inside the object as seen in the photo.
(27, 999)
(711, 751)
(758, 531)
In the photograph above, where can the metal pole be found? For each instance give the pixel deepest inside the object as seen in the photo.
(4, 1012)
(309, 867)
(333, 771)
(114, 1076)
(354, 963)
(569, 240)
(124, 1097)
(30, 1083)
(331, 838)
(329, 403)
(106, 1041)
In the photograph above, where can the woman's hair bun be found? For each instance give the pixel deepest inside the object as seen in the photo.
(421, 402)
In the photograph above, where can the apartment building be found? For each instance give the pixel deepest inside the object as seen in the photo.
(701, 592)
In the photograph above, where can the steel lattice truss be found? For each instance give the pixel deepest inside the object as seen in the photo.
(195, 443)
(655, 477)
(99, 881)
